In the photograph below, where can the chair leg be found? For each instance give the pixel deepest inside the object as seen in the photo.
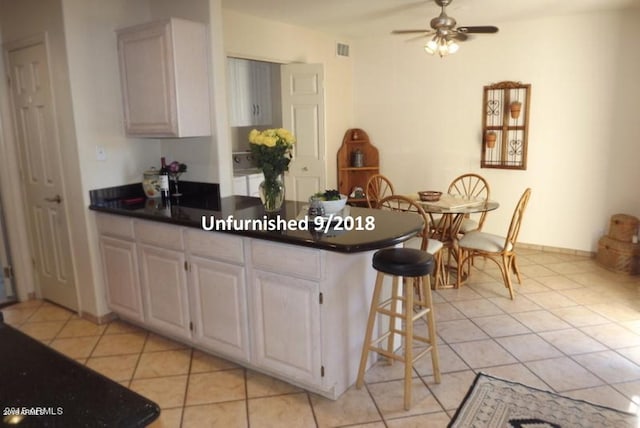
(506, 274)
(516, 270)
(371, 321)
(408, 345)
(438, 272)
(431, 328)
(460, 267)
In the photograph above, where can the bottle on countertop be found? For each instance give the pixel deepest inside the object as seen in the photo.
(164, 179)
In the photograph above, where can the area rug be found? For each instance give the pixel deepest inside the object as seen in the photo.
(493, 402)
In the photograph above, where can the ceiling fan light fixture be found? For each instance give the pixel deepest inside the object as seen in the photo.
(432, 46)
(446, 33)
(440, 45)
(453, 47)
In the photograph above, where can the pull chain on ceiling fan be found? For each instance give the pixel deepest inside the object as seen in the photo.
(445, 33)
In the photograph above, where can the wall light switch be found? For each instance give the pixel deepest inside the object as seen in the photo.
(101, 153)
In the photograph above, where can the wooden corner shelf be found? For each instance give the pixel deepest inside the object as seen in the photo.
(350, 176)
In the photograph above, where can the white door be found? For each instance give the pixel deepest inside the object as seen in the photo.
(40, 164)
(303, 114)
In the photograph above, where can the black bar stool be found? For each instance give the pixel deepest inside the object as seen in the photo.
(415, 266)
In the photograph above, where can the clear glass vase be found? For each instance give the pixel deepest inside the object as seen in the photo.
(272, 193)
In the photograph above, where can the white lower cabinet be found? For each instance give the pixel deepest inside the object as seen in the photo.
(219, 305)
(286, 325)
(274, 307)
(164, 290)
(120, 264)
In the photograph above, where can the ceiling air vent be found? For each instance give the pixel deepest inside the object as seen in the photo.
(342, 49)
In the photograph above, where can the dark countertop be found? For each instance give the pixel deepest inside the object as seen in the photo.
(386, 228)
(37, 379)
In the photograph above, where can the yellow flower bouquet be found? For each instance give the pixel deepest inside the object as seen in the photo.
(271, 150)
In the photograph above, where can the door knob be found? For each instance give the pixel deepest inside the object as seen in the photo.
(57, 199)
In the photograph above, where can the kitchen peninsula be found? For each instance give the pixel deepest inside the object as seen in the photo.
(289, 302)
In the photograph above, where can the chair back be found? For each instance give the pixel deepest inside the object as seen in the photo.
(471, 186)
(404, 204)
(516, 221)
(378, 186)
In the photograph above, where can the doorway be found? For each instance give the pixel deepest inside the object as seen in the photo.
(36, 136)
(270, 95)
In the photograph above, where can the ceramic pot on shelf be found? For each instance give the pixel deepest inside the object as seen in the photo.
(490, 139)
(514, 109)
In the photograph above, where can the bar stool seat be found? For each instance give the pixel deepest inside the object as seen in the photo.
(404, 309)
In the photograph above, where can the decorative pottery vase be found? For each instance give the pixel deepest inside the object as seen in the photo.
(272, 193)
(514, 109)
(490, 139)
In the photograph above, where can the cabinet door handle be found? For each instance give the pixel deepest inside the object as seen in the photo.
(57, 199)
(305, 169)
(257, 109)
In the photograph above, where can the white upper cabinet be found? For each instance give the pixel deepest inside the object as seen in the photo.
(164, 77)
(249, 92)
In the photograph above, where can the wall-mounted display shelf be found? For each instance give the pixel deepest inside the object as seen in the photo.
(505, 125)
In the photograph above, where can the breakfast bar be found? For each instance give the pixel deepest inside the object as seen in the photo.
(290, 301)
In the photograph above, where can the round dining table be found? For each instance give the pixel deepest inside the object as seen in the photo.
(446, 216)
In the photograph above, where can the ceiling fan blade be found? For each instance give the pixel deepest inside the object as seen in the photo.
(481, 29)
(420, 37)
(461, 37)
(409, 31)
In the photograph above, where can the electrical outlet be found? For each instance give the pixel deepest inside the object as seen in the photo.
(101, 153)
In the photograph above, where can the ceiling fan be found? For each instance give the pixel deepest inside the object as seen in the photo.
(445, 33)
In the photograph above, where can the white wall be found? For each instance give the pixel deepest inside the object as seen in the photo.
(425, 115)
(255, 38)
(89, 28)
(623, 192)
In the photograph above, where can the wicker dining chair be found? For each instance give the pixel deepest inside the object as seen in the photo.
(422, 240)
(378, 187)
(471, 186)
(497, 248)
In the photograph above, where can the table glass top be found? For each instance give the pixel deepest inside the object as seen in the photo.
(450, 204)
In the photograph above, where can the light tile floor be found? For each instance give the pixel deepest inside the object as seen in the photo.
(573, 328)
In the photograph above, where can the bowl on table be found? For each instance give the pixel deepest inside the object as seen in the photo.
(332, 207)
(429, 195)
